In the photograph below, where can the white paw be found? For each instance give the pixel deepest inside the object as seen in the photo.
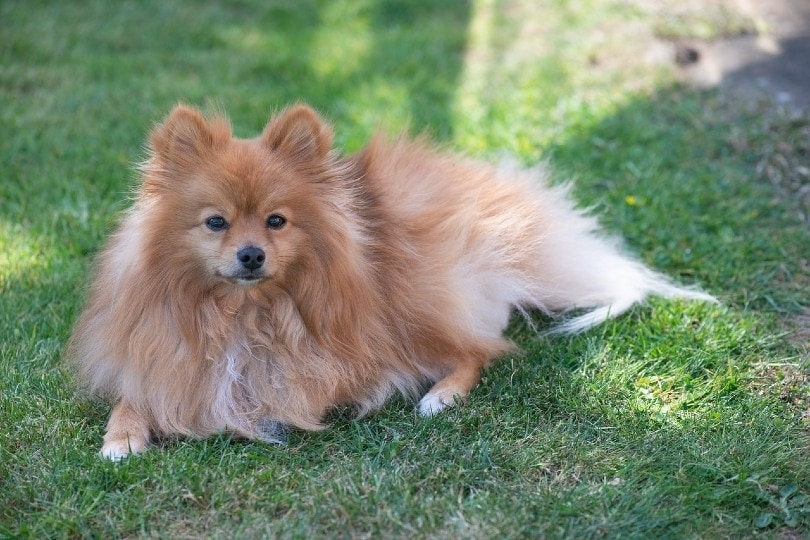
(435, 403)
(119, 449)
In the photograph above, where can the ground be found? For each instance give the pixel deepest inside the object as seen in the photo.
(769, 57)
(773, 60)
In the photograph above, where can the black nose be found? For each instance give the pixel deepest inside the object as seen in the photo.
(251, 257)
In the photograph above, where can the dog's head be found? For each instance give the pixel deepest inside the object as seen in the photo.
(235, 210)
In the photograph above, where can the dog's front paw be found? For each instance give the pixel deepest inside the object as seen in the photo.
(435, 402)
(118, 449)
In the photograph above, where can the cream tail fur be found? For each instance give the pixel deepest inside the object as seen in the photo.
(581, 268)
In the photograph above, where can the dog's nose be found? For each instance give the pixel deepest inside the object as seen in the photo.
(251, 257)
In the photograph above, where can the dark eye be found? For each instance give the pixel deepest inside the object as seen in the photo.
(276, 221)
(216, 223)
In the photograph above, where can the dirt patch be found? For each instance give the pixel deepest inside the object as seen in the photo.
(788, 382)
(771, 60)
(784, 158)
(800, 333)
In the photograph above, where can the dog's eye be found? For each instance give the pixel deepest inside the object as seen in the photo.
(216, 223)
(276, 221)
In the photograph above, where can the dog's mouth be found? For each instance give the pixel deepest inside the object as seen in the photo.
(246, 279)
(250, 280)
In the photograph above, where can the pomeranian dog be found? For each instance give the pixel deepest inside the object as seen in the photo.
(257, 283)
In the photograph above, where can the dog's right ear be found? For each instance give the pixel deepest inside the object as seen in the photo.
(185, 136)
(299, 133)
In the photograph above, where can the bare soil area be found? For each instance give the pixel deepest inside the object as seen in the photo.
(774, 60)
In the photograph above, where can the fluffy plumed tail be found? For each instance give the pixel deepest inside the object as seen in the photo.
(650, 284)
(578, 267)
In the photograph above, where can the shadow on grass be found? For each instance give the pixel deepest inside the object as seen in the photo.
(678, 176)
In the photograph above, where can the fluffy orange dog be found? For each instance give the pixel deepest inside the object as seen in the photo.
(264, 281)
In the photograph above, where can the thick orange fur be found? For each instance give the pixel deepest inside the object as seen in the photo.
(395, 268)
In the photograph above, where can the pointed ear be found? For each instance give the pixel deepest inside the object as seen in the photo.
(185, 135)
(299, 133)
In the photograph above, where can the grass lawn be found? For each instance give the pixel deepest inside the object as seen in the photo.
(676, 420)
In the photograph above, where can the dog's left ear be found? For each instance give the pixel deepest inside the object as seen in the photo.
(299, 133)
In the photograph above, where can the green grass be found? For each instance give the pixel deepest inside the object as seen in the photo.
(677, 420)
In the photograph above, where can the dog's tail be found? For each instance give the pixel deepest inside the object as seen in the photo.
(588, 270)
(575, 266)
(647, 283)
